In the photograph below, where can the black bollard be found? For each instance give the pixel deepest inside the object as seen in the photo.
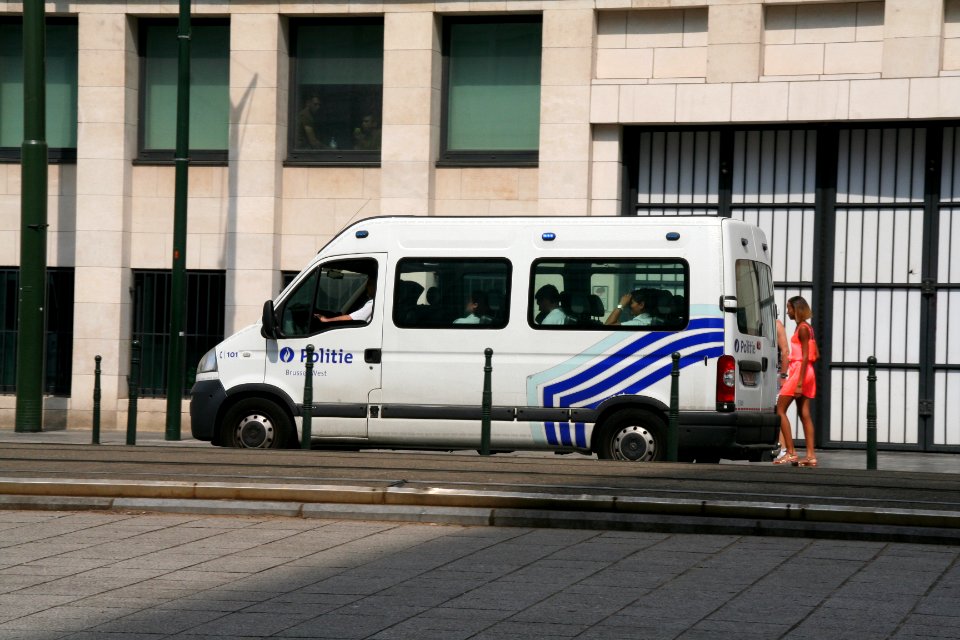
(95, 437)
(871, 412)
(306, 433)
(673, 429)
(133, 385)
(486, 402)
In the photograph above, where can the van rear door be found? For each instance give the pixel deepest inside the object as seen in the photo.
(754, 336)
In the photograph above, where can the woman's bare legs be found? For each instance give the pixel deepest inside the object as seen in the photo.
(786, 435)
(803, 407)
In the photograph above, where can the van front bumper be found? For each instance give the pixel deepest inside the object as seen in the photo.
(206, 398)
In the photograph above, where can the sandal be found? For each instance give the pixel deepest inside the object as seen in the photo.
(787, 458)
(806, 462)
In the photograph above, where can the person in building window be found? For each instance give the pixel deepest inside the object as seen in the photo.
(548, 302)
(307, 121)
(363, 314)
(367, 135)
(639, 302)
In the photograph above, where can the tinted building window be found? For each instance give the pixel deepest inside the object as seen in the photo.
(61, 88)
(209, 90)
(337, 91)
(492, 89)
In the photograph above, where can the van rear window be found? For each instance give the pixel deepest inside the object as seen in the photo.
(609, 294)
(755, 303)
(452, 293)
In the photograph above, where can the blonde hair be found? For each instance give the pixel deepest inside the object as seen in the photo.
(801, 310)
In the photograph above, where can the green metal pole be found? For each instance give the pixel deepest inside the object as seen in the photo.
(306, 433)
(673, 429)
(33, 225)
(133, 386)
(95, 436)
(181, 161)
(486, 402)
(871, 412)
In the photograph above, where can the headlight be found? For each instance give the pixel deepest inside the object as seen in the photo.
(208, 363)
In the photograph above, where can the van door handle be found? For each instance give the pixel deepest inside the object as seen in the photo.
(372, 356)
(765, 362)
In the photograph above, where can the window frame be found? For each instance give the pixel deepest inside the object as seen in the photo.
(325, 157)
(150, 320)
(60, 296)
(508, 278)
(55, 155)
(532, 304)
(479, 158)
(205, 157)
(356, 265)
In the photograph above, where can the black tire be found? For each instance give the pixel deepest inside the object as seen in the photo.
(256, 423)
(633, 435)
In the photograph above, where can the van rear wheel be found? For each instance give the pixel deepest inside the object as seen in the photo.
(633, 435)
(256, 423)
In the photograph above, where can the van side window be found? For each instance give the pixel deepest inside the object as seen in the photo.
(452, 293)
(755, 303)
(334, 289)
(640, 294)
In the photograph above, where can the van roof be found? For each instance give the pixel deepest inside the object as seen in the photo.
(498, 231)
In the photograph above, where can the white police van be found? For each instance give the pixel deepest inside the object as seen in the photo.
(582, 315)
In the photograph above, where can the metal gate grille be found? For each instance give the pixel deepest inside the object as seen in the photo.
(864, 222)
(878, 263)
(151, 323)
(946, 413)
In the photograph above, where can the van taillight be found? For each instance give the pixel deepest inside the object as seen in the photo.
(726, 383)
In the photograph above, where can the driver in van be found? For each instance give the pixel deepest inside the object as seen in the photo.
(363, 314)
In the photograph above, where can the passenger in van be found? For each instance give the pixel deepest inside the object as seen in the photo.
(477, 310)
(548, 302)
(639, 302)
(363, 314)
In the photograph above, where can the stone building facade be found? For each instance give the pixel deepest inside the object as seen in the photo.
(617, 78)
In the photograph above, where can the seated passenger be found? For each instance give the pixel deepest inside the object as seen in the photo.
(477, 309)
(548, 301)
(639, 303)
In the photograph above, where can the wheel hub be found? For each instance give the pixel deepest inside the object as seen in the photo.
(634, 444)
(255, 432)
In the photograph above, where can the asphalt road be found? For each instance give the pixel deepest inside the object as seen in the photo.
(560, 491)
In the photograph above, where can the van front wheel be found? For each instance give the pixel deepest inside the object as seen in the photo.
(633, 435)
(255, 423)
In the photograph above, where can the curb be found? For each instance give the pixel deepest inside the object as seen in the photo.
(497, 517)
(487, 508)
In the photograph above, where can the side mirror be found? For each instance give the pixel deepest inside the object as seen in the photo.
(269, 324)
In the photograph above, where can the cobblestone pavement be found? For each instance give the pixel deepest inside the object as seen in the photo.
(138, 576)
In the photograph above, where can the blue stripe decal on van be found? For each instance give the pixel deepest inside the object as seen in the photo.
(614, 366)
(580, 434)
(606, 384)
(594, 371)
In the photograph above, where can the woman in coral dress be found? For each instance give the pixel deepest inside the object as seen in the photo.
(800, 385)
